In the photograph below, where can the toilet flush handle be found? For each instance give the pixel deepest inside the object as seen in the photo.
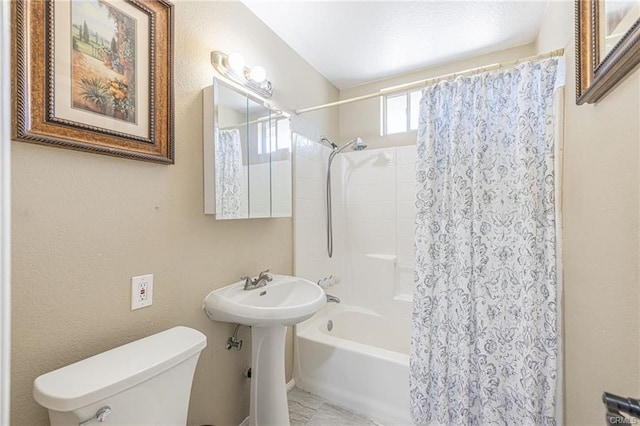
(101, 416)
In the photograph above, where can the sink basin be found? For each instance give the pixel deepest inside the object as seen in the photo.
(284, 301)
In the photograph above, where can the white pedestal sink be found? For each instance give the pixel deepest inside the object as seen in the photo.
(268, 310)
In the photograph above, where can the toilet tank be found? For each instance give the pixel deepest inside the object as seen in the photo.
(145, 382)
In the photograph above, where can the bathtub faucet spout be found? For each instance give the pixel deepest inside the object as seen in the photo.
(333, 299)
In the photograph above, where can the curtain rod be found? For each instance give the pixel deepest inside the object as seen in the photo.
(432, 80)
(274, 116)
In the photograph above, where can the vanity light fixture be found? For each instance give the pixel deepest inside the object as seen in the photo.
(233, 67)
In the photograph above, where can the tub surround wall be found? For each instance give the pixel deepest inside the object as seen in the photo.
(373, 220)
(406, 220)
(310, 238)
(380, 217)
(84, 224)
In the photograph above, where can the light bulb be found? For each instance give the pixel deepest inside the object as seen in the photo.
(257, 74)
(236, 61)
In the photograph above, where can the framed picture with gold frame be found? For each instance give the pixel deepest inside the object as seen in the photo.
(607, 45)
(95, 75)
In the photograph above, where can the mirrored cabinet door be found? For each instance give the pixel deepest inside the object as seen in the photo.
(247, 156)
(231, 153)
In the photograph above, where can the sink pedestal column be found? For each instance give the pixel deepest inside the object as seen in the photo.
(268, 405)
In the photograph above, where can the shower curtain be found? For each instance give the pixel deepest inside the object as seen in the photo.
(229, 174)
(485, 327)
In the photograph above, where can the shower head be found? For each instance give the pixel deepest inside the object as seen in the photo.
(358, 144)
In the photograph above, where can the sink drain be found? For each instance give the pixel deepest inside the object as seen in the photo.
(329, 325)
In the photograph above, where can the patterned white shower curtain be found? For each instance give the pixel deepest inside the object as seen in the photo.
(485, 339)
(229, 174)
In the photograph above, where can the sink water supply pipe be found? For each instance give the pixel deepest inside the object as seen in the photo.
(233, 341)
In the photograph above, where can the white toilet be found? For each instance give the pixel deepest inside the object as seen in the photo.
(146, 382)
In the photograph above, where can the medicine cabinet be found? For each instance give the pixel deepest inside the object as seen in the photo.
(247, 155)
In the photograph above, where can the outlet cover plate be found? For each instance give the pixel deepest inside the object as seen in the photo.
(141, 291)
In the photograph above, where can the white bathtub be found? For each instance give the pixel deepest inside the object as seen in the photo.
(361, 364)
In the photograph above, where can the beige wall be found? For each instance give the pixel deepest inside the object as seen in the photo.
(84, 224)
(601, 226)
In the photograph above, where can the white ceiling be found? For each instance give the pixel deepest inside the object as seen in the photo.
(354, 42)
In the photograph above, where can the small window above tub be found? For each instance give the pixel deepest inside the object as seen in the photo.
(400, 112)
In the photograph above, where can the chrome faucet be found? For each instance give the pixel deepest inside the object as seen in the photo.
(257, 282)
(333, 299)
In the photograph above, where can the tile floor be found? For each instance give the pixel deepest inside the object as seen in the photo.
(306, 409)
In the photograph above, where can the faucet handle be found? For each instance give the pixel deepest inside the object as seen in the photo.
(266, 275)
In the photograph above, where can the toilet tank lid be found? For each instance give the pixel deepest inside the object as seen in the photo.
(116, 370)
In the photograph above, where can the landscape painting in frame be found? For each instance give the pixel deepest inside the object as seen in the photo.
(94, 76)
(103, 65)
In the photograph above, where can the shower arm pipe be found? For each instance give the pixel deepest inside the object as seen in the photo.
(432, 80)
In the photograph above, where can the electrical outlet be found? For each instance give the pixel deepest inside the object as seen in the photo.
(141, 291)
